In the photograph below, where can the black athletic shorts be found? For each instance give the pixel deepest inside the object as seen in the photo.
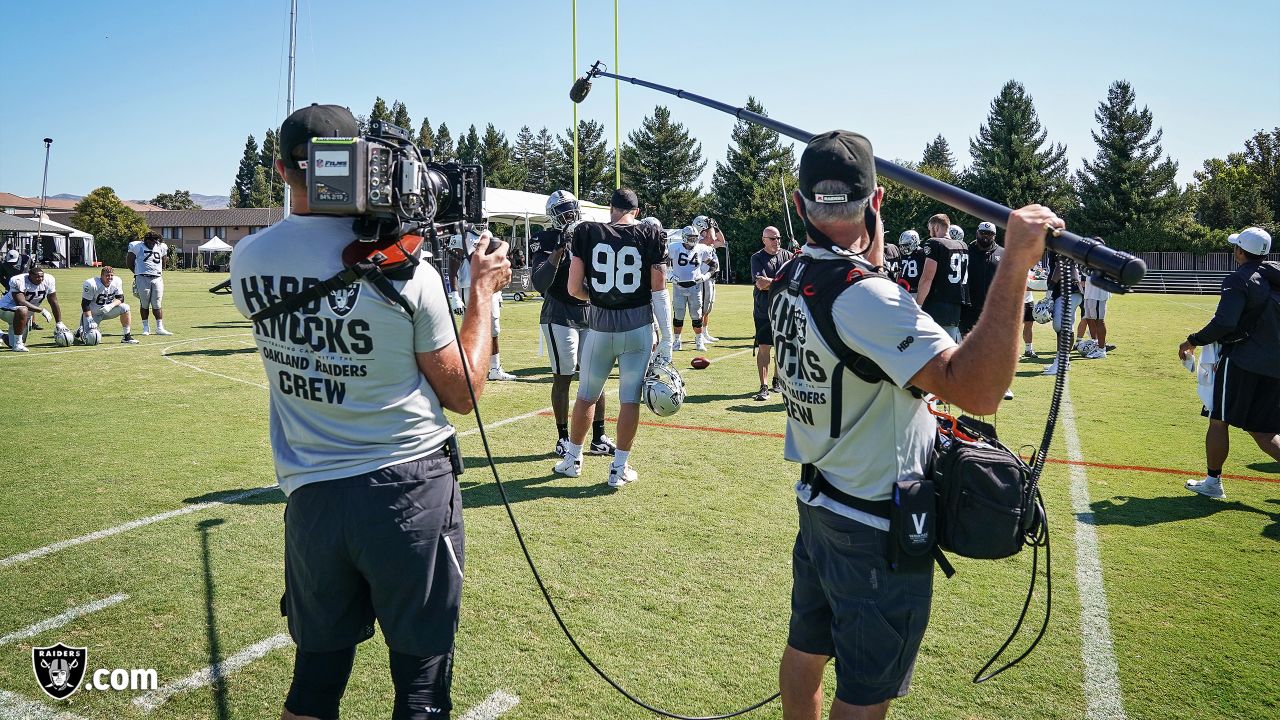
(1028, 312)
(386, 546)
(968, 318)
(1245, 399)
(764, 330)
(846, 604)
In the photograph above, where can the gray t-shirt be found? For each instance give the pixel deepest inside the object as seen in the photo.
(884, 433)
(347, 396)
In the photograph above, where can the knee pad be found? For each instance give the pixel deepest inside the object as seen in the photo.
(319, 680)
(422, 686)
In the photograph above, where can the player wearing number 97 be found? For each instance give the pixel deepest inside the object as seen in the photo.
(944, 281)
(620, 267)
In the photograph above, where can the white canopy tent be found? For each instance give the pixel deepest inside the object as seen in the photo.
(217, 244)
(65, 239)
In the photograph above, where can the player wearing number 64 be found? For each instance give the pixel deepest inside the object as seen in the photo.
(620, 267)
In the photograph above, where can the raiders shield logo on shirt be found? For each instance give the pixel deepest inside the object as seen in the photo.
(343, 300)
(59, 669)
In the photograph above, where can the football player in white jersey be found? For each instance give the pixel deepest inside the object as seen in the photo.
(102, 298)
(464, 282)
(689, 259)
(26, 293)
(712, 238)
(146, 260)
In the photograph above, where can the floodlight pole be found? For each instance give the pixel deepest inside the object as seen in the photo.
(293, 46)
(44, 189)
(575, 105)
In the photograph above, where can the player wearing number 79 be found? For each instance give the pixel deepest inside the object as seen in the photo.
(944, 282)
(620, 267)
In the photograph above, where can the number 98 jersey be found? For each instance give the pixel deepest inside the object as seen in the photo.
(617, 260)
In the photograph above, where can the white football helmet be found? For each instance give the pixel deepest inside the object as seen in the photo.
(1042, 312)
(663, 388)
(690, 236)
(91, 336)
(909, 241)
(702, 222)
(653, 222)
(62, 337)
(955, 232)
(563, 208)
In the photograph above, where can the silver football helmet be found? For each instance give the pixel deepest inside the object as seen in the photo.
(702, 222)
(663, 388)
(955, 232)
(563, 208)
(62, 337)
(690, 236)
(909, 241)
(1042, 312)
(653, 222)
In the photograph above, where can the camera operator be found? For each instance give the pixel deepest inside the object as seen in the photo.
(1246, 378)
(563, 319)
(858, 437)
(363, 450)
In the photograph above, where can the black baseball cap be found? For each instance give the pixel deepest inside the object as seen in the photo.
(624, 199)
(314, 121)
(838, 155)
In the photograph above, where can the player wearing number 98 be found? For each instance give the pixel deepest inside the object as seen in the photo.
(620, 267)
(944, 281)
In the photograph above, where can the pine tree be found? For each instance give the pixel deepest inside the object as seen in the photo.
(1262, 157)
(495, 156)
(1011, 164)
(543, 163)
(522, 154)
(444, 144)
(747, 191)
(661, 162)
(269, 153)
(937, 154)
(426, 137)
(379, 111)
(469, 146)
(595, 163)
(907, 209)
(260, 192)
(1127, 185)
(243, 185)
(400, 116)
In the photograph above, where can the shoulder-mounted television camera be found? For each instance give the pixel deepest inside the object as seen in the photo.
(385, 177)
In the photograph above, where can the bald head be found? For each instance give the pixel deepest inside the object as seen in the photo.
(770, 237)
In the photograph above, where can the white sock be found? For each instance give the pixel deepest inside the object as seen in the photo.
(1029, 348)
(146, 325)
(572, 452)
(494, 363)
(126, 329)
(620, 458)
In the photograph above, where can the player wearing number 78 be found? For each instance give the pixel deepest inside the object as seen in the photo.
(620, 267)
(944, 282)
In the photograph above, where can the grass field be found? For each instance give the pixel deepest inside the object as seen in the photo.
(678, 585)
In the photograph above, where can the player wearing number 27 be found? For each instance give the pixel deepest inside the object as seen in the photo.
(620, 267)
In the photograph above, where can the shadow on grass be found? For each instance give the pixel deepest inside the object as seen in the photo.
(531, 372)
(220, 352)
(226, 325)
(213, 643)
(243, 496)
(762, 406)
(699, 399)
(1266, 467)
(485, 494)
(1146, 512)
(479, 462)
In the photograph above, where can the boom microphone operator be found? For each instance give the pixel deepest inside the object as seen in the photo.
(1114, 270)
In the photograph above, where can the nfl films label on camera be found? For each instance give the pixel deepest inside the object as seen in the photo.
(61, 670)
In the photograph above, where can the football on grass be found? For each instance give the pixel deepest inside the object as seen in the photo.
(699, 363)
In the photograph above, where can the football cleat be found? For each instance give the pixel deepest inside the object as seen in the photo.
(498, 374)
(602, 446)
(562, 447)
(569, 467)
(675, 346)
(128, 340)
(19, 346)
(777, 384)
(1030, 354)
(1051, 368)
(709, 337)
(1008, 394)
(162, 331)
(619, 476)
(762, 395)
(700, 343)
(1209, 487)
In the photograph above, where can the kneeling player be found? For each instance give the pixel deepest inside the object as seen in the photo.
(22, 302)
(103, 298)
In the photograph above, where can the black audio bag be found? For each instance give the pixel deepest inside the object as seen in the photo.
(986, 506)
(913, 512)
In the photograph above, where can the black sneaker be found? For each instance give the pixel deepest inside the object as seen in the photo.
(777, 384)
(1110, 348)
(602, 446)
(1029, 354)
(128, 340)
(762, 395)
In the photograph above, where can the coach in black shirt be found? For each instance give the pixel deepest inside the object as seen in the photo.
(984, 258)
(1246, 379)
(765, 265)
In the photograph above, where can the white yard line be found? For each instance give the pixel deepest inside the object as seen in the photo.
(499, 702)
(16, 707)
(132, 524)
(1103, 700)
(212, 673)
(165, 354)
(507, 421)
(61, 619)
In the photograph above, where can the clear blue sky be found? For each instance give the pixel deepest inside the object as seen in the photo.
(149, 96)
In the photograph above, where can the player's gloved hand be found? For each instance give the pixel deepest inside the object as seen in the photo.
(455, 303)
(135, 286)
(664, 350)
(60, 326)
(46, 314)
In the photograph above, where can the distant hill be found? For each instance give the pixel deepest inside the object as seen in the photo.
(208, 202)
